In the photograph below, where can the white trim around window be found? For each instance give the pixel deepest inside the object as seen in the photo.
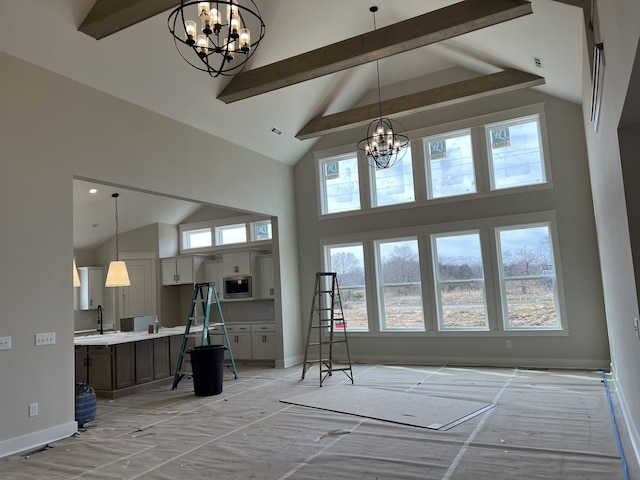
(488, 230)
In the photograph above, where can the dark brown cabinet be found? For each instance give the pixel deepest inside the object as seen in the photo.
(118, 369)
(82, 375)
(125, 365)
(100, 371)
(144, 361)
(161, 366)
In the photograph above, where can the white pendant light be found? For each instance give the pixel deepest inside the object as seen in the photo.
(117, 275)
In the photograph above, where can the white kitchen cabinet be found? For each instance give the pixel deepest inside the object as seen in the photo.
(90, 293)
(180, 270)
(214, 272)
(139, 299)
(263, 341)
(267, 285)
(238, 263)
(240, 341)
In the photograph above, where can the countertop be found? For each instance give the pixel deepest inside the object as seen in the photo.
(114, 338)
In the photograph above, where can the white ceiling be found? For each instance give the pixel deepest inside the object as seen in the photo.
(141, 65)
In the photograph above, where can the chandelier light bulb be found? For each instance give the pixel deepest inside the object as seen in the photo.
(245, 39)
(203, 9)
(190, 28)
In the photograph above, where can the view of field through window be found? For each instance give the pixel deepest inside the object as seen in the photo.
(527, 281)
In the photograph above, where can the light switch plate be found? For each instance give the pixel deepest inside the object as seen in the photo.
(45, 338)
(5, 343)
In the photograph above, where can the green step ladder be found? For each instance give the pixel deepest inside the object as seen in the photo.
(204, 294)
(326, 321)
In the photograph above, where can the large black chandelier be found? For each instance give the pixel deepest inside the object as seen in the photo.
(383, 141)
(216, 37)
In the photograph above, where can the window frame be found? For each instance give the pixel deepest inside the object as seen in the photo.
(373, 180)
(502, 278)
(481, 167)
(328, 267)
(323, 196)
(427, 161)
(537, 118)
(486, 228)
(381, 313)
(186, 235)
(248, 221)
(437, 282)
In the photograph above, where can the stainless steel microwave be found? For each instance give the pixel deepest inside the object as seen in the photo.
(237, 286)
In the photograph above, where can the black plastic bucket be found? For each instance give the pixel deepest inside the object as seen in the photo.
(207, 364)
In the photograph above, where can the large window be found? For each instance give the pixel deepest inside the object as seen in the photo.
(478, 157)
(348, 263)
(450, 165)
(340, 184)
(400, 285)
(459, 282)
(528, 283)
(394, 185)
(515, 153)
(494, 278)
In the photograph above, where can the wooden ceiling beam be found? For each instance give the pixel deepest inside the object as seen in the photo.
(475, 88)
(110, 16)
(448, 22)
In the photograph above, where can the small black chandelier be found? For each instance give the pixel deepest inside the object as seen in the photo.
(383, 141)
(222, 43)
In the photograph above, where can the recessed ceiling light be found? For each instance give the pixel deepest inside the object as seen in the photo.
(93, 190)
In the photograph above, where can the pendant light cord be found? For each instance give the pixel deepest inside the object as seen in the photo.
(115, 195)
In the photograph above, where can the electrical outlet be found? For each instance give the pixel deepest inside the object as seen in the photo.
(45, 338)
(5, 343)
(33, 409)
(509, 344)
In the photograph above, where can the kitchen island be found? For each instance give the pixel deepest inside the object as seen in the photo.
(120, 363)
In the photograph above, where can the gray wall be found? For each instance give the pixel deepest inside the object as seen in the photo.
(51, 130)
(586, 344)
(613, 161)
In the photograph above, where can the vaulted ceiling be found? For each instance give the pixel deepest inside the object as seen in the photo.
(309, 76)
(285, 86)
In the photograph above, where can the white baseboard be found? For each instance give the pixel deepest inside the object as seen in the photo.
(35, 440)
(632, 431)
(581, 364)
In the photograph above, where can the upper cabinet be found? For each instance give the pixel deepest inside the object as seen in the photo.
(139, 299)
(267, 285)
(90, 293)
(238, 263)
(214, 272)
(180, 270)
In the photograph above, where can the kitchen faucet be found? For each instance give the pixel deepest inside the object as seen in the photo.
(100, 320)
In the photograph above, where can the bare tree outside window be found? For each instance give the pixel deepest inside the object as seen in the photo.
(529, 290)
(348, 263)
(400, 285)
(460, 282)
